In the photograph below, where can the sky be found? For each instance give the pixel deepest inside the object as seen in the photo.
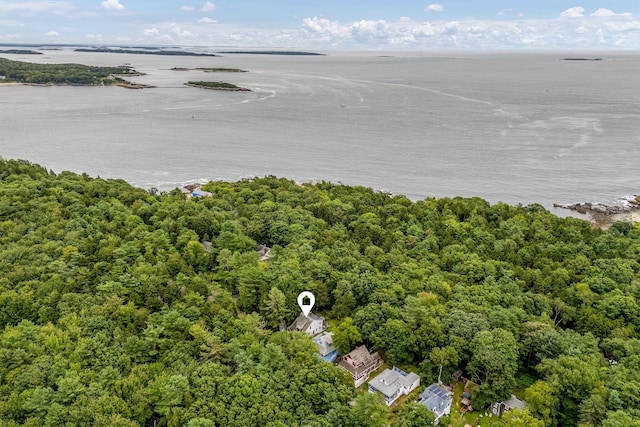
(327, 24)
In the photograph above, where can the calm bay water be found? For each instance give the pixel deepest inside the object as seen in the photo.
(512, 127)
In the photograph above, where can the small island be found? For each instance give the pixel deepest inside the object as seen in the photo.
(211, 69)
(218, 86)
(221, 70)
(65, 74)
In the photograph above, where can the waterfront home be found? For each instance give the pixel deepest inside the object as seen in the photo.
(195, 190)
(199, 192)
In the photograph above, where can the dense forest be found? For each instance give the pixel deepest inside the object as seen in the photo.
(114, 313)
(27, 72)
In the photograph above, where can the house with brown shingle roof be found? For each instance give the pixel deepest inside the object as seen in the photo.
(360, 363)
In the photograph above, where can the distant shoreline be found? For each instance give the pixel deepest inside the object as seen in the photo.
(271, 52)
(144, 52)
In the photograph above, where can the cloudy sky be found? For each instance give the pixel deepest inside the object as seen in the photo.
(328, 24)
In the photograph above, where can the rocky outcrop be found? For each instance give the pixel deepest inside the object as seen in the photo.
(604, 215)
(590, 208)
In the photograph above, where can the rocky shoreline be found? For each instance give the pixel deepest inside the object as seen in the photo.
(604, 215)
(130, 85)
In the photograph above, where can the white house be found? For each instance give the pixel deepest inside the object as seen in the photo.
(393, 383)
(311, 324)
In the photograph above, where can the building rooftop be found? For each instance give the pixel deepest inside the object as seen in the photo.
(302, 322)
(359, 360)
(325, 343)
(392, 380)
(514, 402)
(436, 398)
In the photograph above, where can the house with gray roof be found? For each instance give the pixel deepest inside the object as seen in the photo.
(311, 324)
(499, 408)
(393, 383)
(438, 399)
(327, 351)
(360, 363)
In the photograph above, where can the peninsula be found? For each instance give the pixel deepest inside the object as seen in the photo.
(21, 52)
(65, 74)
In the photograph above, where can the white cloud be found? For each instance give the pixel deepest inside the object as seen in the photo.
(473, 34)
(52, 34)
(605, 13)
(510, 13)
(174, 33)
(370, 31)
(208, 7)
(112, 5)
(573, 12)
(573, 28)
(180, 33)
(435, 7)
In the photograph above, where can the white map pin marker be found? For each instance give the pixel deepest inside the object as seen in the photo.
(306, 308)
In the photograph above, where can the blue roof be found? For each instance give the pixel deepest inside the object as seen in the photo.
(435, 397)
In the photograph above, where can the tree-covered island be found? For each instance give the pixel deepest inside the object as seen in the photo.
(20, 51)
(144, 51)
(218, 86)
(71, 74)
(124, 307)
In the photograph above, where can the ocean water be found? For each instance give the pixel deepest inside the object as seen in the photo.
(513, 127)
